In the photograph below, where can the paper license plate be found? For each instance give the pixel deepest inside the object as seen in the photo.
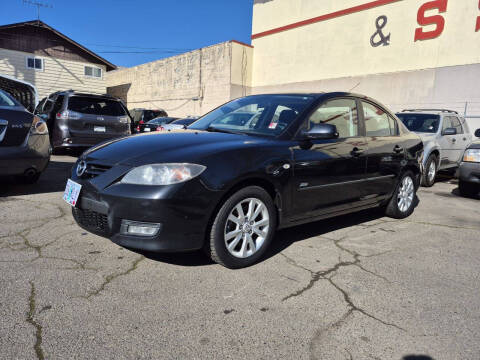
(146, 129)
(99, 128)
(72, 191)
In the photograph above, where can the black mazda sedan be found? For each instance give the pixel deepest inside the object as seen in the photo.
(227, 188)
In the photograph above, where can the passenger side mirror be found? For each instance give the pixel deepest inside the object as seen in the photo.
(477, 133)
(450, 131)
(321, 131)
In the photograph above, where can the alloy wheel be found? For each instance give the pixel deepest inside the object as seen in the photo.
(246, 228)
(406, 192)
(432, 170)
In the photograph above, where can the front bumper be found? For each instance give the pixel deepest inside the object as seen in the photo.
(183, 212)
(34, 153)
(469, 172)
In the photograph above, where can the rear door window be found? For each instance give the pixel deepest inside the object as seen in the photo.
(377, 121)
(95, 106)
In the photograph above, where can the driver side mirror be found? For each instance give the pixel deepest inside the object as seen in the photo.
(321, 131)
(477, 133)
(449, 131)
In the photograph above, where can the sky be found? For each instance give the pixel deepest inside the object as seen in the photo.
(133, 32)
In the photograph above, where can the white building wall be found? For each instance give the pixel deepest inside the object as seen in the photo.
(58, 74)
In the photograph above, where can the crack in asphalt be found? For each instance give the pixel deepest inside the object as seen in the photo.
(109, 278)
(441, 225)
(315, 276)
(31, 320)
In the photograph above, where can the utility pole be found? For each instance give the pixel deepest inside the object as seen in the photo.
(38, 5)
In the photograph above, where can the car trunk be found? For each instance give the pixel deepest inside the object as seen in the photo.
(96, 117)
(15, 123)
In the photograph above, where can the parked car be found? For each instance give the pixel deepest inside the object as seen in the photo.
(469, 169)
(445, 136)
(77, 120)
(227, 189)
(155, 124)
(24, 142)
(142, 116)
(179, 124)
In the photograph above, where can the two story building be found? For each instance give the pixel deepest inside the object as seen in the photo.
(37, 53)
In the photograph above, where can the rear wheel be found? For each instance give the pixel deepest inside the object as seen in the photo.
(243, 228)
(468, 189)
(428, 178)
(402, 203)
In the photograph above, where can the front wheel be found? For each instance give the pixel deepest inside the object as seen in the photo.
(402, 203)
(428, 178)
(243, 228)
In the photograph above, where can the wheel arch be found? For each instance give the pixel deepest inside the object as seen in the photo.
(263, 183)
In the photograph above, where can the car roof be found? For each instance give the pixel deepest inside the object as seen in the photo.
(429, 111)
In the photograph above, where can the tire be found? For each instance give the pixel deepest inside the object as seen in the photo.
(395, 208)
(468, 189)
(241, 232)
(431, 169)
(32, 179)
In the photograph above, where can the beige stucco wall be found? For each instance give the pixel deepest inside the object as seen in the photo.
(58, 74)
(341, 47)
(189, 84)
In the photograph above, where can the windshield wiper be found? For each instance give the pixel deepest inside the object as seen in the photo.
(215, 129)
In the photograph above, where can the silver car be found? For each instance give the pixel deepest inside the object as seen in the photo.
(445, 136)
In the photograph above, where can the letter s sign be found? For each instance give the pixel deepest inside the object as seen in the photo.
(436, 20)
(478, 19)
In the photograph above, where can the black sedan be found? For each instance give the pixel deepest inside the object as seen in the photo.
(155, 124)
(227, 189)
(469, 169)
(24, 141)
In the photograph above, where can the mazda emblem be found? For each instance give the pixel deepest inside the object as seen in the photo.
(81, 167)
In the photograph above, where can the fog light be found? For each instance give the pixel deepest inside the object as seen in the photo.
(139, 228)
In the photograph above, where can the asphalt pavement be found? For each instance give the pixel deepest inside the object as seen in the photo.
(361, 286)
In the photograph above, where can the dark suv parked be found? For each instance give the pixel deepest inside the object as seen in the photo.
(226, 188)
(82, 120)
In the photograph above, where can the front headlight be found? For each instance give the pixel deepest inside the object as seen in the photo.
(472, 155)
(162, 174)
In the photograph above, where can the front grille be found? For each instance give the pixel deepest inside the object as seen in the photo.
(93, 170)
(91, 220)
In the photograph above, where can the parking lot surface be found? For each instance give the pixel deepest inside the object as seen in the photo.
(360, 286)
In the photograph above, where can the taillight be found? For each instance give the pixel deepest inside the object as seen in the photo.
(141, 122)
(138, 128)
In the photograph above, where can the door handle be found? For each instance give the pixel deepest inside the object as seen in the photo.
(454, 140)
(464, 139)
(397, 149)
(356, 151)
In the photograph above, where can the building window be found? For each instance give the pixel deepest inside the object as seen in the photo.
(91, 71)
(34, 63)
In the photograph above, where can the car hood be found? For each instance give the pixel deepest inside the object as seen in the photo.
(172, 146)
(475, 145)
(426, 136)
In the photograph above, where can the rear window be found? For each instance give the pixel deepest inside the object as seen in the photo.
(152, 114)
(96, 106)
(6, 100)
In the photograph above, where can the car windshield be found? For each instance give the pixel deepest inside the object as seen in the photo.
(96, 106)
(264, 115)
(152, 114)
(425, 123)
(6, 99)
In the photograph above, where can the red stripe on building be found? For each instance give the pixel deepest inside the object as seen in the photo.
(325, 17)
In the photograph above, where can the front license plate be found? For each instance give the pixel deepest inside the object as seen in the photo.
(99, 128)
(146, 129)
(72, 191)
